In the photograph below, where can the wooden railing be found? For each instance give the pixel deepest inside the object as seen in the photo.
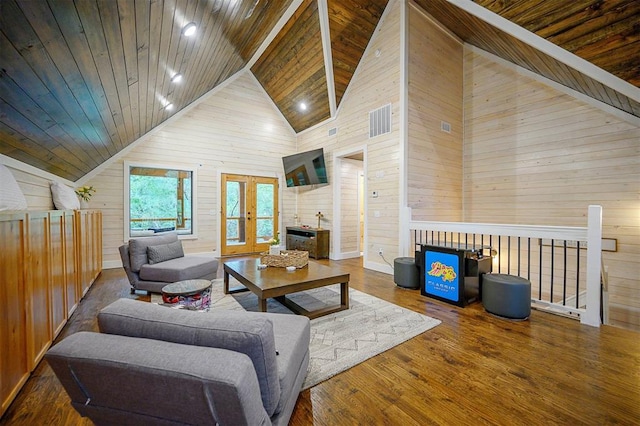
(562, 263)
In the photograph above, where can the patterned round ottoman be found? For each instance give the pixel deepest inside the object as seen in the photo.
(507, 296)
(188, 294)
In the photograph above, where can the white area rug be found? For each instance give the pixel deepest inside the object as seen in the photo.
(343, 339)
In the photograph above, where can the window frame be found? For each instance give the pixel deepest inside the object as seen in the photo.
(127, 196)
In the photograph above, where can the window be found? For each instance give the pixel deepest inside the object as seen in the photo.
(159, 199)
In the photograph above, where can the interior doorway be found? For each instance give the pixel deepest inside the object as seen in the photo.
(349, 209)
(249, 213)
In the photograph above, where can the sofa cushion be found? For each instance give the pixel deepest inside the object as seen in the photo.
(123, 380)
(235, 331)
(179, 269)
(292, 335)
(138, 248)
(164, 252)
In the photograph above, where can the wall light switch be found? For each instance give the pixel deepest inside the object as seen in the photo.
(376, 213)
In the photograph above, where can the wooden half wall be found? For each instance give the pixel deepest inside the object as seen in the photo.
(49, 260)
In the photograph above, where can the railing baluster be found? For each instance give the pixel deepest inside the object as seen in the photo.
(529, 259)
(564, 277)
(518, 256)
(499, 253)
(540, 270)
(508, 254)
(552, 263)
(577, 274)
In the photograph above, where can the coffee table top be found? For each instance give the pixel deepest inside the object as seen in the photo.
(186, 288)
(271, 279)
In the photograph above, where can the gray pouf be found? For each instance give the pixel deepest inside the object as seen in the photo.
(405, 272)
(507, 296)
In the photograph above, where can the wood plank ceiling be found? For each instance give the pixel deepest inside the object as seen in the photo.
(80, 80)
(563, 17)
(292, 70)
(605, 33)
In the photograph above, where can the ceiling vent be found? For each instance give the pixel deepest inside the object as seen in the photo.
(333, 131)
(380, 121)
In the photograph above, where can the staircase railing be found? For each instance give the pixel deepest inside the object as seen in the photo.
(562, 263)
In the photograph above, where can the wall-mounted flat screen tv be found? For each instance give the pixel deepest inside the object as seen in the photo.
(305, 168)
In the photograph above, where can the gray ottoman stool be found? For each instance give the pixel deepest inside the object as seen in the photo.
(405, 272)
(507, 296)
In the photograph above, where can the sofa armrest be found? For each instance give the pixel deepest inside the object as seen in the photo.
(144, 379)
(236, 331)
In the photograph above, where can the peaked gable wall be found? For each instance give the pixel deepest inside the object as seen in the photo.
(536, 155)
(233, 130)
(376, 83)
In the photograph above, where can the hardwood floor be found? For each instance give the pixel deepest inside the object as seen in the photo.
(474, 368)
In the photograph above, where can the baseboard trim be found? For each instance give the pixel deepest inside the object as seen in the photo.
(379, 267)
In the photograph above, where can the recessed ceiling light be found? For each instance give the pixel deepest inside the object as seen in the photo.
(189, 29)
(303, 106)
(176, 78)
(169, 107)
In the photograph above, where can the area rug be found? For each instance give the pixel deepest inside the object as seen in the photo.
(340, 340)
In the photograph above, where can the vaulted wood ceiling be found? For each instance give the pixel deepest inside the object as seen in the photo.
(79, 81)
(621, 40)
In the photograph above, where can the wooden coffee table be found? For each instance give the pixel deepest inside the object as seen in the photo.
(276, 283)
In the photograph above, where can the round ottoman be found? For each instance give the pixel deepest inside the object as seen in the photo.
(405, 272)
(507, 296)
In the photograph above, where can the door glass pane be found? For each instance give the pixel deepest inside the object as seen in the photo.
(264, 230)
(236, 213)
(265, 208)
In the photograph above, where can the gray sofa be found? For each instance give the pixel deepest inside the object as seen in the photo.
(153, 262)
(156, 365)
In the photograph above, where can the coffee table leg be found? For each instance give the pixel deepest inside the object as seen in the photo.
(262, 304)
(344, 295)
(225, 286)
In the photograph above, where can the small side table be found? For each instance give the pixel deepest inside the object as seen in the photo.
(188, 294)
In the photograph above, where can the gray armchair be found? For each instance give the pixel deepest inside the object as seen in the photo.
(155, 365)
(153, 262)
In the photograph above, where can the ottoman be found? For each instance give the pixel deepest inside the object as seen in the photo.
(405, 272)
(507, 296)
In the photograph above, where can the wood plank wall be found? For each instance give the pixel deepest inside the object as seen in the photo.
(375, 84)
(234, 130)
(535, 155)
(434, 182)
(35, 189)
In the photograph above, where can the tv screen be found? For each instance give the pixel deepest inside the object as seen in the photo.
(305, 168)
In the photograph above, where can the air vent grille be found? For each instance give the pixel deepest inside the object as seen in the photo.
(380, 121)
(445, 127)
(333, 131)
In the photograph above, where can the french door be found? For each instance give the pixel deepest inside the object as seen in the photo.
(249, 213)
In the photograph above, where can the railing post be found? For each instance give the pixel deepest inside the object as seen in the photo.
(594, 259)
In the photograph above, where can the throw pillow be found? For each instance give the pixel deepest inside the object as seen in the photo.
(11, 197)
(138, 248)
(164, 252)
(64, 197)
